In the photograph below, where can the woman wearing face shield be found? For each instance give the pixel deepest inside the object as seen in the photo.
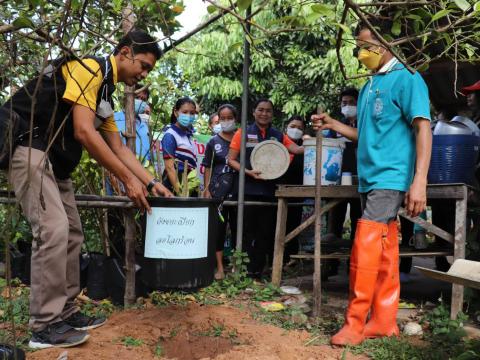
(178, 145)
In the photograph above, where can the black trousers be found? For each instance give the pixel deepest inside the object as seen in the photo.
(259, 233)
(336, 217)
(229, 214)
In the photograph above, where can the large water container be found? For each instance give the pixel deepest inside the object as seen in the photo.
(179, 246)
(453, 159)
(332, 155)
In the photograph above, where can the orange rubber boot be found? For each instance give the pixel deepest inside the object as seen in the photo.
(383, 319)
(364, 265)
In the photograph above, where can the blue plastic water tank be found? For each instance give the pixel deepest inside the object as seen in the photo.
(453, 159)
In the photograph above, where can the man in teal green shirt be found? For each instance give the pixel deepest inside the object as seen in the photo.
(394, 147)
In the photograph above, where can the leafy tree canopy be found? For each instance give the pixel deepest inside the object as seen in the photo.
(293, 62)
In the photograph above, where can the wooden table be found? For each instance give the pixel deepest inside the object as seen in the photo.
(336, 194)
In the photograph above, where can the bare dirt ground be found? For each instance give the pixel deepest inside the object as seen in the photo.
(193, 332)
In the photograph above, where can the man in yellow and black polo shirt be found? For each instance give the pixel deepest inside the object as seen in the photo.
(73, 109)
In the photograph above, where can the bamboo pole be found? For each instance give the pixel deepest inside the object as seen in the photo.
(185, 179)
(317, 276)
(241, 174)
(106, 244)
(129, 214)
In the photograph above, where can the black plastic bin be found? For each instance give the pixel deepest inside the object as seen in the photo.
(187, 274)
(96, 286)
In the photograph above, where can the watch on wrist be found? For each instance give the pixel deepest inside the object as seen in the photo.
(151, 184)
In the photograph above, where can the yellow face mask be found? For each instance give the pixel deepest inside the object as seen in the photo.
(371, 59)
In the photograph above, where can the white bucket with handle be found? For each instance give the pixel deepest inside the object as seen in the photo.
(332, 155)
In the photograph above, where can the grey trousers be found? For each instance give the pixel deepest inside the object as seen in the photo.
(49, 205)
(381, 205)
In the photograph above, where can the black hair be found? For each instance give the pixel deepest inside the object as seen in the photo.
(232, 108)
(140, 42)
(145, 89)
(260, 101)
(210, 119)
(382, 25)
(349, 92)
(296, 118)
(180, 102)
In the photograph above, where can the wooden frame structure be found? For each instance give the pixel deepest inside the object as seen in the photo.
(336, 194)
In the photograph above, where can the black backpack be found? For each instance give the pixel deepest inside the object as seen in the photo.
(15, 123)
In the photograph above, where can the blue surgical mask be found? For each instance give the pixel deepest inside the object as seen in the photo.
(217, 128)
(185, 119)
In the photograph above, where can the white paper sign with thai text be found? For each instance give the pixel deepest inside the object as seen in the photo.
(177, 233)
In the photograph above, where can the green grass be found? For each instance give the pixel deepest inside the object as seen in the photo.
(402, 349)
(104, 308)
(130, 341)
(158, 352)
(216, 330)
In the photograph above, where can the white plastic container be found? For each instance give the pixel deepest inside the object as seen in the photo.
(332, 155)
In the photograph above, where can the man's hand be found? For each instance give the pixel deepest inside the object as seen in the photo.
(323, 122)
(137, 192)
(160, 190)
(416, 198)
(254, 174)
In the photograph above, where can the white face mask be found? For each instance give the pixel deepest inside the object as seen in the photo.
(217, 128)
(349, 111)
(144, 118)
(294, 133)
(228, 126)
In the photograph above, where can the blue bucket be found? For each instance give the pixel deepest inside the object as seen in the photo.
(453, 159)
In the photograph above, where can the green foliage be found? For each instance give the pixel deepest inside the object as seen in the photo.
(397, 348)
(15, 226)
(293, 59)
(158, 352)
(163, 299)
(403, 348)
(440, 324)
(427, 31)
(444, 340)
(239, 276)
(87, 25)
(130, 341)
(14, 302)
(216, 330)
(291, 318)
(268, 292)
(104, 308)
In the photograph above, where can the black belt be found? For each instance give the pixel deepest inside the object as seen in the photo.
(37, 142)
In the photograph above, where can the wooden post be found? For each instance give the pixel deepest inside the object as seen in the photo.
(129, 215)
(317, 275)
(185, 179)
(459, 250)
(279, 241)
(106, 244)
